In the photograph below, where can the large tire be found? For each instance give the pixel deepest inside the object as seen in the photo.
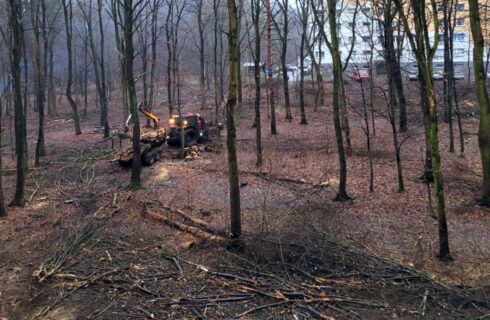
(151, 156)
(191, 136)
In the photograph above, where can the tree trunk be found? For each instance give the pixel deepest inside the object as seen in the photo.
(256, 56)
(52, 108)
(233, 174)
(448, 73)
(338, 85)
(15, 16)
(169, 31)
(104, 117)
(39, 80)
(284, 48)
(424, 50)
(131, 89)
(153, 65)
(67, 11)
(202, 75)
(3, 211)
(302, 76)
(215, 60)
(390, 58)
(482, 94)
(269, 66)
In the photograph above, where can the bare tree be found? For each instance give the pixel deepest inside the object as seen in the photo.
(3, 211)
(156, 4)
(281, 24)
(68, 14)
(303, 15)
(482, 94)
(424, 51)
(15, 50)
(338, 96)
(131, 11)
(270, 80)
(38, 24)
(256, 54)
(233, 174)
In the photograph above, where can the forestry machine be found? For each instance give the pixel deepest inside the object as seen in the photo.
(151, 140)
(196, 129)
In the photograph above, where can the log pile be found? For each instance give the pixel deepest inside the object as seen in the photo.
(194, 152)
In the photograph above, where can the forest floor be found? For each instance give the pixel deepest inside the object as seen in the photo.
(86, 247)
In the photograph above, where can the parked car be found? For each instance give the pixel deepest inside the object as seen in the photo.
(360, 75)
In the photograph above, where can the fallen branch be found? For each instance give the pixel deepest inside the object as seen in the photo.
(199, 222)
(200, 233)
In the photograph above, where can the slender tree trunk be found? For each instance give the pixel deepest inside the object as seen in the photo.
(239, 57)
(482, 94)
(233, 174)
(153, 65)
(255, 6)
(52, 108)
(104, 117)
(202, 74)
(120, 48)
(448, 73)
(269, 66)
(3, 211)
(85, 75)
(337, 96)
(169, 31)
(284, 48)
(424, 50)
(67, 10)
(302, 76)
(368, 138)
(215, 60)
(390, 58)
(39, 81)
(15, 16)
(131, 89)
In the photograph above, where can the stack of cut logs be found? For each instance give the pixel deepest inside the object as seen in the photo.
(194, 152)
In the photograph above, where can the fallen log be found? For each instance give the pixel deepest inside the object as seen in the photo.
(199, 222)
(199, 233)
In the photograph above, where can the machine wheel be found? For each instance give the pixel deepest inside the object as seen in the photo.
(151, 156)
(148, 159)
(191, 136)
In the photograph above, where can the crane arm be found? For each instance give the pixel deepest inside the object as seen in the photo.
(151, 115)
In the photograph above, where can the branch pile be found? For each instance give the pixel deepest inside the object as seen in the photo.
(124, 277)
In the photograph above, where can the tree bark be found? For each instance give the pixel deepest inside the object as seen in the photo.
(3, 211)
(104, 117)
(15, 18)
(128, 31)
(255, 8)
(482, 94)
(424, 51)
(233, 174)
(68, 14)
(39, 79)
(270, 80)
(338, 85)
(153, 65)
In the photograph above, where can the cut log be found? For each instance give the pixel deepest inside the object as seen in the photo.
(199, 222)
(197, 232)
